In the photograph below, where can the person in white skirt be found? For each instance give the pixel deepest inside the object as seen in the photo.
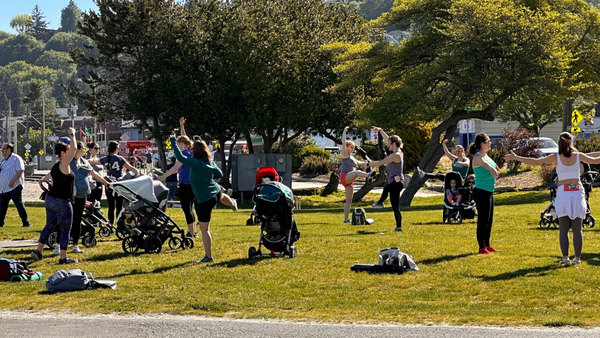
(570, 201)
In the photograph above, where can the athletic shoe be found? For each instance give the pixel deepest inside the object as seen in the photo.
(234, 206)
(420, 172)
(565, 261)
(67, 260)
(206, 259)
(576, 261)
(346, 221)
(76, 249)
(490, 249)
(56, 250)
(28, 225)
(371, 176)
(229, 192)
(398, 229)
(484, 251)
(378, 205)
(37, 256)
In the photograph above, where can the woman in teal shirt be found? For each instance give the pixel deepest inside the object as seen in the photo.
(460, 163)
(203, 172)
(486, 173)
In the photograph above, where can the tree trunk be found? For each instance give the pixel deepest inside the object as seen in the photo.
(365, 189)
(249, 142)
(332, 186)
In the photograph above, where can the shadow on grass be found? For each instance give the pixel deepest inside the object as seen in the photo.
(537, 272)
(157, 270)
(437, 260)
(526, 198)
(243, 261)
(591, 258)
(111, 256)
(363, 232)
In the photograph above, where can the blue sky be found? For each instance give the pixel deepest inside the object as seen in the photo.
(50, 8)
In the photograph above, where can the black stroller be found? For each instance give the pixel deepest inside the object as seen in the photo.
(274, 206)
(455, 213)
(93, 215)
(548, 217)
(143, 222)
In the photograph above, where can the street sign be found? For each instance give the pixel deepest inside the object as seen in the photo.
(576, 118)
(124, 137)
(575, 130)
(41, 152)
(52, 138)
(26, 155)
(28, 146)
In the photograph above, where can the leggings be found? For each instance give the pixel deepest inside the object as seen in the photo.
(113, 202)
(96, 194)
(564, 223)
(204, 209)
(384, 193)
(186, 197)
(485, 216)
(395, 189)
(76, 225)
(59, 213)
(438, 176)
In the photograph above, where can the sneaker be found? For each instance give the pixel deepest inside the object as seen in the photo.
(576, 261)
(56, 250)
(234, 206)
(37, 256)
(398, 229)
(206, 259)
(565, 261)
(378, 205)
(346, 221)
(229, 192)
(490, 249)
(76, 249)
(371, 176)
(484, 251)
(420, 172)
(67, 260)
(28, 225)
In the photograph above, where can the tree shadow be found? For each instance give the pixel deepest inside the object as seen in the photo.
(537, 271)
(244, 261)
(111, 256)
(141, 272)
(591, 258)
(433, 261)
(363, 232)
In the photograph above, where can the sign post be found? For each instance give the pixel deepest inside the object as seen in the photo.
(576, 119)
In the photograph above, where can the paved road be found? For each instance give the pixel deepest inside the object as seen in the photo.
(20, 324)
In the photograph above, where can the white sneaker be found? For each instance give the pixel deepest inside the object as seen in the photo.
(576, 261)
(75, 249)
(565, 261)
(229, 192)
(56, 250)
(378, 205)
(234, 207)
(420, 172)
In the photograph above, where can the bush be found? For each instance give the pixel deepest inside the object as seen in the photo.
(497, 155)
(544, 173)
(589, 145)
(314, 166)
(299, 156)
(522, 141)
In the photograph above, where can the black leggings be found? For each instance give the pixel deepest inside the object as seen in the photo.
(395, 189)
(78, 206)
(96, 194)
(438, 176)
(485, 216)
(186, 197)
(114, 202)
(564, 223)
(204, 209)
(384, 193)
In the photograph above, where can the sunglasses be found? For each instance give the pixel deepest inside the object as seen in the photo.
(470, 182)
(96, 148)
(458, 151)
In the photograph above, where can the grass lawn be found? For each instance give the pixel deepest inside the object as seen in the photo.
(521, 285)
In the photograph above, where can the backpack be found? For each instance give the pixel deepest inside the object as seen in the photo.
(15, 271)
(395, 257)
(75, 280)
(359, 217)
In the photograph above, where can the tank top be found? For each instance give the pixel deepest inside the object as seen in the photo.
(483, 177)
(348, 165)
(184, 170)
(461, 170)
(396, 169)
(566, 172)
(62, 185)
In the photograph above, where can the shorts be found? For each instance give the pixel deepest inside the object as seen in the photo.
(570, 201)
(343, 180)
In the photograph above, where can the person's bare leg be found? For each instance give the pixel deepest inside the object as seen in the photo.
(225, 199)
(192, 228)
(206, 238)
(349, 195)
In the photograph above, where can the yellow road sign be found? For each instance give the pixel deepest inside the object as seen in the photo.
(576, 118)
(26, 155)
(575, 130)
(41, 152)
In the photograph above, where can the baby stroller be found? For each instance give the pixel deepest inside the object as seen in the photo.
(263, 175)
(94, 216)
(274, 206)
(456, 213)
(143, 223)
(548, 216)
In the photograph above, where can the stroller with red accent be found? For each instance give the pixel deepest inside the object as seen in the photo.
(263, 175)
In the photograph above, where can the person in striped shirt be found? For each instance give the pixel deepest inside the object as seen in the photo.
(11, 184)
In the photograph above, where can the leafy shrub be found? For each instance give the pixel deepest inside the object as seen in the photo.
(294, 145)
(589, 145)
(306, 151)
(314, 166)
(522, 141)
(544, 172)
(497, 155)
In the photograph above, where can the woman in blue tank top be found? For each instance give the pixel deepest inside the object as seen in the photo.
(486, 173)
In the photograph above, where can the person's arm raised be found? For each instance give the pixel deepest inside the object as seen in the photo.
(66, 161)
(550, 159)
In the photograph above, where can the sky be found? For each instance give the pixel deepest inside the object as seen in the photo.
(51, 9)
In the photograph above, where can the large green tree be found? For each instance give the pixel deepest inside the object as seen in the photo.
(465, 58)
(69, 17)
(21, 22)
(20, 47)
(39, 26)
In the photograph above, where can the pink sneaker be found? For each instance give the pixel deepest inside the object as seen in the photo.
(484, 251)
(490, 249)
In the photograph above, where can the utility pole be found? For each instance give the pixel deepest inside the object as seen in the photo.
(43, 140)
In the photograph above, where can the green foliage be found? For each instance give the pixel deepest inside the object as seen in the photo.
(294, 145)
(311, 150)
(33, 137)
(39, 26)
(589, 145)
(63, 41)
(69, 17)
(22, 47)
(521, 141)
(371, 9)
(314, 165)
(497, 155)
(56, 60)
(4, 35)
(21, 22)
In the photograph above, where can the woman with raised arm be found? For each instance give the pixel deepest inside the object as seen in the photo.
(570, 204)
(59, 211)
(395, 175)
(348, 172)
(114, 165)
(486, 173)
(94, 160)
(460, 163)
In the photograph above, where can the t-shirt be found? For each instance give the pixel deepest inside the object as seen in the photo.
(184, 170)
(113, 164)
(171, 178)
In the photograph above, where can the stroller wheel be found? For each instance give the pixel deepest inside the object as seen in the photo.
(187, 243)
(129, 244)
(543, 223)
(590, 221)
(121, 234)
(89, 241)
(249, 221)
(554, 223)
(104, 231)
(175, 243)
(152, 244)
(293, 252)
(251, 252)
(52, 240)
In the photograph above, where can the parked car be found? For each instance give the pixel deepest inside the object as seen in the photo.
(547, 146)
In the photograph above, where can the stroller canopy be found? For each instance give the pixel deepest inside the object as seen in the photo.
(141, 186)
(273, 191)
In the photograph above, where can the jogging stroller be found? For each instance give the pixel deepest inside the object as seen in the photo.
(548, 216)
(263, 175)
(274, 206)
(455, 213)
(94, 216)
(143, 223)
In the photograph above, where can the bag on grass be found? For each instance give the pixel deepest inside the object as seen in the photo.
(75, 280)
(395, 257)
(15, 271)
(359, 217)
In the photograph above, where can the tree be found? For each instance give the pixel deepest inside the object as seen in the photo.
(39, 26)
(533, 112)
(69, 17)
(465, 58)
(21, 23)
(20, 47)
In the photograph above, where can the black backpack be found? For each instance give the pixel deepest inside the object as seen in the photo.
(359, 217)
(15, 271)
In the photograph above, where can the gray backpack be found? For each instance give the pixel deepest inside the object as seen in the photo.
(75, 280)
(359, 217)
